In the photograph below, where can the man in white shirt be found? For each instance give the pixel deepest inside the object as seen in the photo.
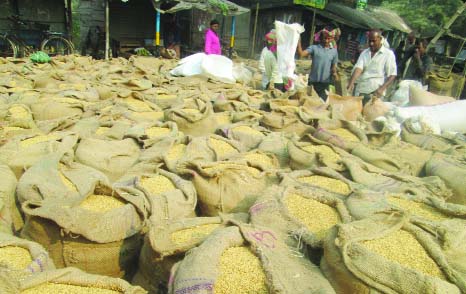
(375, 69)
(268, 65)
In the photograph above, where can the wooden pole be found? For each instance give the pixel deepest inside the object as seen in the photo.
(232, 38)
(255, 30)
(107, 29)
(313, 26)
(69, 18)
(447, 26)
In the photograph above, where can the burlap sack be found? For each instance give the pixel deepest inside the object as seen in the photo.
(351, 107)
(106, 243)
(137, 102)
(10, 216)
(227, 186)
(353, 268)
(249, 134)
(270, 210)
(265, 161)
(147, 65)
(420, 97)
(58, 124)
(339, 133)
(323, 155)
(142, 132)
(380, 180)
(56, 177)
(199, 270)
(277, 143)
(171, 203)
(57, 107)
(195, 124)
(169, 151)
(113, 158)
(19, 115)
(287, 121)
(67, 276)
(161, 251)
(453, 172)
(40, 260)
(298, 177)
(22, 152)
(374, 109)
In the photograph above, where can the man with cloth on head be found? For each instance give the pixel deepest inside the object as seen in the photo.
(268, 66)
(324, 63)
(375, 69)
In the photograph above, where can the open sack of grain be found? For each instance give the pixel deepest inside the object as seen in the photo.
(68, 280)
(392, 253)
(99, 233)
(165, 244)
(246, 259)
(11, 220)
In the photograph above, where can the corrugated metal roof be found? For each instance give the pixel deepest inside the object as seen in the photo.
(362, 18)
(390, 18)
(232, 8)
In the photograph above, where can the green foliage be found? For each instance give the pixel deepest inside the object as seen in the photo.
(220, 5)
(426, 16)
(40, 57)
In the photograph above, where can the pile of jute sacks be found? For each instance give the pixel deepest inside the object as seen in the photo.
(116, 177)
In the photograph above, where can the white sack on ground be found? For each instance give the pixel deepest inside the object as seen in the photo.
(401, 95)
(448, 116)
(287, 41)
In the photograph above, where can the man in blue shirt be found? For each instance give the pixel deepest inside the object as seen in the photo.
(324, 63)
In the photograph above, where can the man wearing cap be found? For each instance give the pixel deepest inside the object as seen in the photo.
(271, 77)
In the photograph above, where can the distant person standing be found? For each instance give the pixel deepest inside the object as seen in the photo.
(418, 64)
(212, 40)
(268, 66)
(405, 51)
(375, 69)
(324, 63)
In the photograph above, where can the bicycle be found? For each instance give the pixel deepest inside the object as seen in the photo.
(26, 37)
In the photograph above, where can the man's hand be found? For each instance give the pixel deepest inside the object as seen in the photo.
(350, 88)
(336, 77)
(379, 92)
(271, 86)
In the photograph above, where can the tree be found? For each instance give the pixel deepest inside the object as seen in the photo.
(427, 16)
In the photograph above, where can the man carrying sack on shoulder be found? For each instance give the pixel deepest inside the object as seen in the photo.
(375, 69)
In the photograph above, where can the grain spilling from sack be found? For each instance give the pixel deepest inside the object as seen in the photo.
(54, 288)
(316, 216)
(157, 185)
(251, 170)
(345, 134)
(188, 235)
(221, 148)
(18, 112)
(328, 155)
(419, 209)
(102, 130)
(101, 203)
(67, 182)
(401, 247)
(261, 159)
(14, 258)
(137, 105)
(240, 272)
(247, 130)
(333, 185)
(157, 131)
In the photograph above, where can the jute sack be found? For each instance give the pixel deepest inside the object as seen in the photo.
(411, 133)
(10, 216)
(136, 102)
(312, 154)
(286, 121)
(99, 234)
(166, 244)
(147, 65)
(113, 158)
(19, 115)
(305, 213)
(168, 151)
(147, 134)
(169, 196)
(212, 148)
(48, 109)
(277, 143)
(420, 97)
(351, 106)
(265, 161)
(204, 269)
(249, 134)
(227, 186)
(323, 178)
(365, 203)
(374, 109)
(22, 256)
(22, 152)
(198, 120)
(380, 180)
(340, 133)
(68, 280)
(58, 124)
(441, 84)
(56, 177)
(390, 253)
(452, 171)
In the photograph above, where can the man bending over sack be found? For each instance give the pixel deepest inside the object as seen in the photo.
(375, 69)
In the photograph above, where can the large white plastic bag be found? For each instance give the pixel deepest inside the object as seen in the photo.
(287, 41)
(449, 116)
(242, 74)
(219, 68)
(189, 66)
(401, 95)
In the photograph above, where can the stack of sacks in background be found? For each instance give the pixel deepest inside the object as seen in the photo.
(117, 177)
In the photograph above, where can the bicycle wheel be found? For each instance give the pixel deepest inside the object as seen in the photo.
(7, 47)
(57, 45)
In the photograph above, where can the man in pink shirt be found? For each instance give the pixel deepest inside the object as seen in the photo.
(212, 41)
